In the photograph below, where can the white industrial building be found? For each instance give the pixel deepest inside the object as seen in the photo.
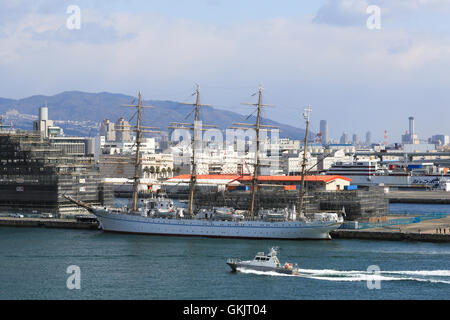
(157, 166)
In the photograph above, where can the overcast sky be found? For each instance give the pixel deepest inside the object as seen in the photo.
(320, 53)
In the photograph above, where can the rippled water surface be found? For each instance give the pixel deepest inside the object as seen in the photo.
(33, 264)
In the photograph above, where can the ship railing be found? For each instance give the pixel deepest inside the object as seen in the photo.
(233, 260)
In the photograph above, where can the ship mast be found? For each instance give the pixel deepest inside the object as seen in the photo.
(194, 142)
(256, 169)
(306, 115)
(193, 179)
(258, 127)
(139, 129)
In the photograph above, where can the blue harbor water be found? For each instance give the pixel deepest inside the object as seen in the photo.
(33, 265)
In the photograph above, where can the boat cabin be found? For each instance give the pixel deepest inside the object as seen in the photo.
(269, 259)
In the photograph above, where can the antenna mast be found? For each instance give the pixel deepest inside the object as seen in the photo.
(306, 115)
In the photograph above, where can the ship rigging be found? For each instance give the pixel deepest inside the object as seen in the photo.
(160, 216)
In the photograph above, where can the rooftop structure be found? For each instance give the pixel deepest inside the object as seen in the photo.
(323, 182)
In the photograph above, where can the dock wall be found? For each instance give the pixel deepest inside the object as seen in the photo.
(48, 223)
(338, 234)
(390, 236)
(419, 197)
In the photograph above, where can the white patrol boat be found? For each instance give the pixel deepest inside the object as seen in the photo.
(264, 262)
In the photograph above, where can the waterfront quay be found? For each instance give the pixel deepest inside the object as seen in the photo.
(410, 196)
(435, 230)
(48, 223)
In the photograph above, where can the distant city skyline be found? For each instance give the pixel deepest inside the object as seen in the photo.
(409, 136)
(320, 53)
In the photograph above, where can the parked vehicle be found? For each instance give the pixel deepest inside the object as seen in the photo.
(16, 215)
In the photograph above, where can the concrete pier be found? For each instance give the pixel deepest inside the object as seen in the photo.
(392, 236)
(428, 231)
(47, 223)
(436, 230)
(425, 197)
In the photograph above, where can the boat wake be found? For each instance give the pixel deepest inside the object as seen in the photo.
(264, 273)
(432, 276)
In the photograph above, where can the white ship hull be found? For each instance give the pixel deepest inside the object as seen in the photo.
(126, 223)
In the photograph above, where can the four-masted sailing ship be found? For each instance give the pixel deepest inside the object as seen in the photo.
(159, 216)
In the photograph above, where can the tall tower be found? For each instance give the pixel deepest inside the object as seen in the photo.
(385, 137)
(413, 138)
(411, 127)
(324, 131)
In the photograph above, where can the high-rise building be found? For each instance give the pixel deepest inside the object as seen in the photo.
(368, 138)
(344, 138)
(355, 139)
(37, 174)
(324, 131)
(107, 130)
(440, 140)
(123, 130)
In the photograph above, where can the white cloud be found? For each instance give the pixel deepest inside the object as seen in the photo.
(296, 60)
(353, 12)
(343, 13)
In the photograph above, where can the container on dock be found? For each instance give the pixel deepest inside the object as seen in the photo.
(351, 187)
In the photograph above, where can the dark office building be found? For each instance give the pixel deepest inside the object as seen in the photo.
(34, 176)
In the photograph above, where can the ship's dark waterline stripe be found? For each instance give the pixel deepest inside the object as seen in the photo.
(211, 236)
